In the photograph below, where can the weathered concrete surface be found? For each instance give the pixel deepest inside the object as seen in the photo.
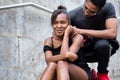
(22, 32)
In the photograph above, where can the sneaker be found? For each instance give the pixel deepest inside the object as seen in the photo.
(103, 76)
(94, 75)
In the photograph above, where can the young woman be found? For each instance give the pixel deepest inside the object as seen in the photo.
(64, 61)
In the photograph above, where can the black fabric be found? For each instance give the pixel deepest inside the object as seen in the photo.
(95, 50)
(115, 46)
(47, 48)
(98, 51)
(89, 50)
(96, 22)
(81, 62)
(56, 51)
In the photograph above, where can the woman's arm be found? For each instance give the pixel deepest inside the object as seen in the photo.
(49, 57)
(76, 42)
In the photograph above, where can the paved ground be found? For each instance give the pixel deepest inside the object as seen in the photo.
(115, 78)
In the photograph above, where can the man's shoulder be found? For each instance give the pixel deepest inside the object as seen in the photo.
(108, 5)
(74, 12)
(108, 9)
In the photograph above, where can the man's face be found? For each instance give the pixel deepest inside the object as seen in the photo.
(89, 9)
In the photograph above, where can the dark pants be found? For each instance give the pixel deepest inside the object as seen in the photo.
(98, 50)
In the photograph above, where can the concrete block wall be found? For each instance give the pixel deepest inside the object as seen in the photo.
(22, 32)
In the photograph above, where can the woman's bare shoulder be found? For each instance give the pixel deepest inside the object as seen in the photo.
(48, 41)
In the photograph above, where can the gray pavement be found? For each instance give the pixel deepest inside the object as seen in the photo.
(115, 78)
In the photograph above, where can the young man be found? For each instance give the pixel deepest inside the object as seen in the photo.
(96, 20)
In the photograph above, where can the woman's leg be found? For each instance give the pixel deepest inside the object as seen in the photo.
(77, 73)
(62, 71)
(49, 72)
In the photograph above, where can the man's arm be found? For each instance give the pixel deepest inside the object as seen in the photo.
(109, 33)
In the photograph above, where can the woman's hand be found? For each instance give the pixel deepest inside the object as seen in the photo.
(69, 30)
(71, 56)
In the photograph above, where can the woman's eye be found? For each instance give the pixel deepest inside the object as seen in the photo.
(55, 22)
(63, 22)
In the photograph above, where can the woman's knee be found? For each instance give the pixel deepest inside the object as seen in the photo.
(61, 64)
(52, 65)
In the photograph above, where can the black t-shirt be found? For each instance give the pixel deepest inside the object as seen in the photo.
(96, 22)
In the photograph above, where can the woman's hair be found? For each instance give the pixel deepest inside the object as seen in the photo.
(60, 9)
(98, 3)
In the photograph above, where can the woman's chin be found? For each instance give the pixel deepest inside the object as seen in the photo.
(60, 35)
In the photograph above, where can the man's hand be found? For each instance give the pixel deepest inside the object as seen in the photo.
(75, 31)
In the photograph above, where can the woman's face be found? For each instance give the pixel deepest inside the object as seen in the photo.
(60, 24)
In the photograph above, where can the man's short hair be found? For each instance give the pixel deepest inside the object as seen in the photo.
(98, 3)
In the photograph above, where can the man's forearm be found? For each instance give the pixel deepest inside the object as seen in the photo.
(107, 34)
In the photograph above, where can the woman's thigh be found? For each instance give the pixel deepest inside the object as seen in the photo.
(49, 72)
(77, 73)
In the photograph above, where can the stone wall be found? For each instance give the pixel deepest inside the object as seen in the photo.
(22, 32)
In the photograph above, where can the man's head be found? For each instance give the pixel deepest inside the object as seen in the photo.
(98, 3)
(92, 7)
